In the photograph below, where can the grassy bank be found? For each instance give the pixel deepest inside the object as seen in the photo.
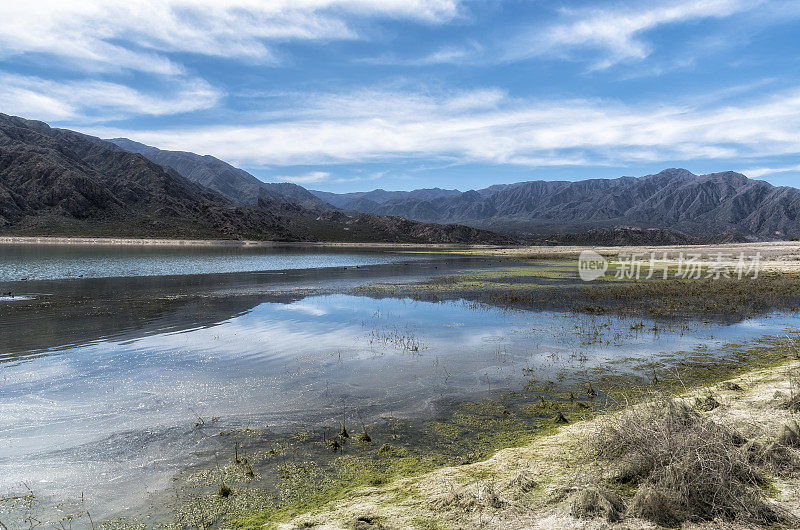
(554, 285)
(528, 457)
(348, 473)
(564, 479)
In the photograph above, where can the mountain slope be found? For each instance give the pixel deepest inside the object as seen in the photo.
(674, 199)
(235, 184)
(60, 182)
(358, 200)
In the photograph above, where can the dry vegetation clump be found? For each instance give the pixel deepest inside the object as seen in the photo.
(792, 404)
(706, 403)
(681, 466)
(790, 434)
(594, 501)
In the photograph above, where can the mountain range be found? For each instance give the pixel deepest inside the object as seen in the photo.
(724, 206)
(237, 185)
(60, 182)
(716, 204)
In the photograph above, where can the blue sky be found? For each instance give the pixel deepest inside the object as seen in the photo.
(347, 95)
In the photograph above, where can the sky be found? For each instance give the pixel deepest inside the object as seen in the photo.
(351, 95)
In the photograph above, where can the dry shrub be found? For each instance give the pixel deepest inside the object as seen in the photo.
(594, 502)
(522, 482)
(790, 434)
(365, 522)
(654, 505)
(771, 456)
(706, 404)
(468, 500)
(684, 466)
(793, 403)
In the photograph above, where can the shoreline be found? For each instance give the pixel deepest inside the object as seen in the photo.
(155, 242)
(533, 485)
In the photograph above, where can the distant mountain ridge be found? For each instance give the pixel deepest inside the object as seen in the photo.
(237, 185)
(674, 199)
(348, 201)
(61, 182)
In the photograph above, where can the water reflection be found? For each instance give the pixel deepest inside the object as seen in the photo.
(115, 417)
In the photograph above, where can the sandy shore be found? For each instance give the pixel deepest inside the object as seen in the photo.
(781, 256)
(111, 241)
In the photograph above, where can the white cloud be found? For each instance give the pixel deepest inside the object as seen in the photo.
(305, 178)
(763, 171)
(489, 127)
(36, 98)
(136, 34)
(444, 55)
(617, 32)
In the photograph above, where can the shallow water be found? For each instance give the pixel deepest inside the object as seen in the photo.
(115, 417)
(49, 262)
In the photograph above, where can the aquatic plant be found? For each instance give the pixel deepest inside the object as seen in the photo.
(364, 437)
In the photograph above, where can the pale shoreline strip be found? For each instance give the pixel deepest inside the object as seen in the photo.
(121, 241)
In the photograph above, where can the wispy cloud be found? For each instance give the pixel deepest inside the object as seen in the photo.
(490, 127)
(139, 34)
(304, 178)
(444, 55)
(616, 33)
(765, 171)
(90, 100)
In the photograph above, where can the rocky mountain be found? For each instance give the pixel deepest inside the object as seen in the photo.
(358, 200)
(716, 204)
(60, 182)
(235, 184)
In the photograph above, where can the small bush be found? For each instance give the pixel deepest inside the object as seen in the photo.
(706, 404)
(790, 435)
(791, 404)
(684, 466)
(730, 385)
(592, 502)
(522, 482)
(654, 505)
(365, 522)
(771, 455)
(364, 437)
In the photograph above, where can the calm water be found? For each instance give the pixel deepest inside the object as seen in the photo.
(47, 262)
(102, 383)
(115, 418)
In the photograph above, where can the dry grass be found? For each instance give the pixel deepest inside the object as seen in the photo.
(782, 256)
(683, 467)
(649, 464)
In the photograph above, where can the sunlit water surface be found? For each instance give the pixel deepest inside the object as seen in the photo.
(53, 262)
(115, 418)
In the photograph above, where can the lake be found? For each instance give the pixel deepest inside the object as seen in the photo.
(49, 262)
(105, 381)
